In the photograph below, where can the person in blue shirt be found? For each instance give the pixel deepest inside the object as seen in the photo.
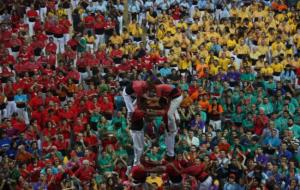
(271, 142)
(165, 71)
(21, 100)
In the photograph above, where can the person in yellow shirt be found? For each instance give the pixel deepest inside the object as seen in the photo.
(260, 63)
(90, 39)
(161, 32)
(242, 49)
(125, 35)
(266, 71)
(277, 68)
(184, 63)
(182, 25)
(278, 44)
(224, 62)
(168, 42)
(214, 67)
(116, 39)
(231, 42)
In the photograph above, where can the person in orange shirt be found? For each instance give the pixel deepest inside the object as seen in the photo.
(187, 100)
(215, 111)
(203, 102)
(202, 68)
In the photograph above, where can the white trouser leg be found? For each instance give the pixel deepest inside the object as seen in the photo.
(90, 47)
(30, 28)
(120, 20)
(69, 13)
(128, 103)
(23, 114)
(66, 38)
(138, 145)
(43, 12)
(97, 41)
(11, 107)
(170, 142)
(174, 105)
(60, 45)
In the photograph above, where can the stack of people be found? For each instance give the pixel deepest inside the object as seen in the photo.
(153, 94)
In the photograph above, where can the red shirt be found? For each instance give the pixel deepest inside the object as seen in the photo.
(163, 90)
(32, 13)
(139, 87)
(85, 174)
(116, 53)
(51, 47)
(89, 21)
(66, 25)
(100, 22)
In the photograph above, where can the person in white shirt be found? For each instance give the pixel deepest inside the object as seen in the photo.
(192, 140)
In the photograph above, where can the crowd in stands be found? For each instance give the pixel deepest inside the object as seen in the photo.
(64, 64)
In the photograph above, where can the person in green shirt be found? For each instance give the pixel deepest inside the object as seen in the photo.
(270, 85)
(238, 116)
(294, 128)
(267, 106)
(247, 76)
(247, 122)
(94, 119)
(82, 45)
(153, 153)
(281, 122)
(105, 162)
(119, 118)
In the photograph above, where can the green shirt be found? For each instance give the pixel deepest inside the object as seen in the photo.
(269, 85)
(248, 124)
(247, 77)
(237, 117)
(103, 161)
(296, 130)
(268, 108)
(281, 124)
(82, 45)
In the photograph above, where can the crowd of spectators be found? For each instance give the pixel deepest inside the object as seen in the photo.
(64, 64)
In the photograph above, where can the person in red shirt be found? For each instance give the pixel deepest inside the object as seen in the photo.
(85, 174)
(116, 54)
(99, 29)
(89, 22)
(15, 44)
(58, 33)
(31, 15)
(137, 88)
(65, 22)
(51, 47)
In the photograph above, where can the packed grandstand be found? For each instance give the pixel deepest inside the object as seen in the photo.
(149, 94)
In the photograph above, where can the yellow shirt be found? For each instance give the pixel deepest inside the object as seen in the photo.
(277, 67)
(90, 39)
(160, 34)
(266, 71)
(244, 49)
(183, 64)
(155, 180)
(224, 62)
(182, 25)
(116, 40)
(213, 70)
(231, 43)
(259, 64)
(168, 41)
